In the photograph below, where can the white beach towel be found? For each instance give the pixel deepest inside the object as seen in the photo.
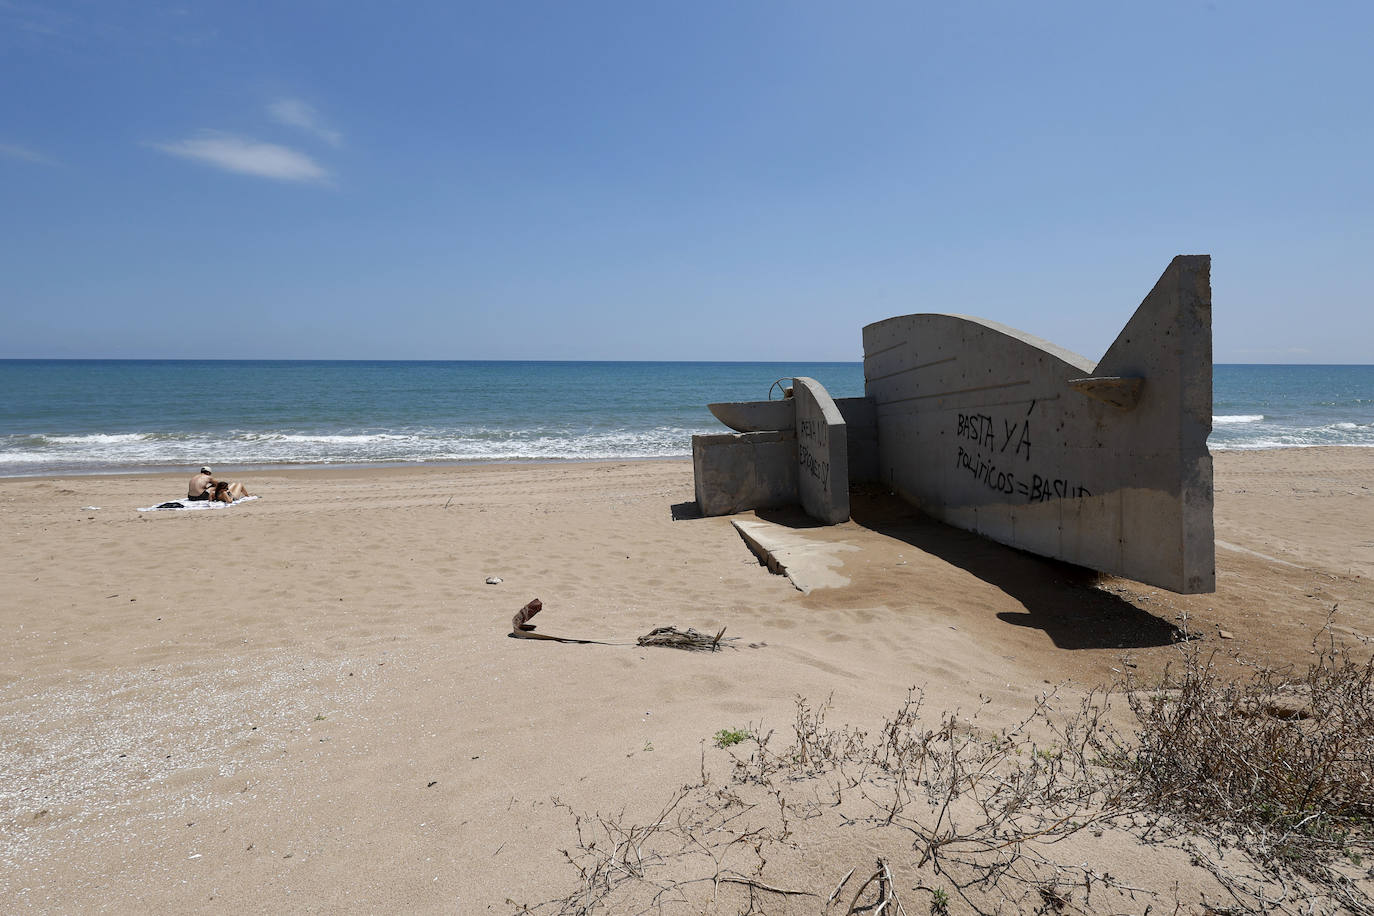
(184, 505)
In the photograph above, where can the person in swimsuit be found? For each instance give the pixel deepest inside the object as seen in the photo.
(226, 492)
(202, 486)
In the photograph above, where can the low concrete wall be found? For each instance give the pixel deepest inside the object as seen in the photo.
(1105, 465)
(822, 453)
(739, 471)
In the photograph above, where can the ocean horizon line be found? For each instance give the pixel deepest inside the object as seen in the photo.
(594, 362)
(61, 416)
(607, 362)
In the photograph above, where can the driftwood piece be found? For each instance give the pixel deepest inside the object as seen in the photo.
(672, 637)
(689, 638)
(521, 620)
(520, 627)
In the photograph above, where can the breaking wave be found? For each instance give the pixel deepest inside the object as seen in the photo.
(1274, 435)
(44, 454)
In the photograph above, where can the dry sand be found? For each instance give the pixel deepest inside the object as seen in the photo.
(308, 702)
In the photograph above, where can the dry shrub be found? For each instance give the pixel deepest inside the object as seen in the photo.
(979, 808)
(1280, 763)
(982, 808)
(700, 841)
(1278, 766)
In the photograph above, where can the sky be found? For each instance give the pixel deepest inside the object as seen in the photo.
(674, 181)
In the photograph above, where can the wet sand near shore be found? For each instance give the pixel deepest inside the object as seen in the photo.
(308, 702)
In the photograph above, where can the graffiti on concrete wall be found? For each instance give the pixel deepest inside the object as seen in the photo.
(997, 453)
(813, 440)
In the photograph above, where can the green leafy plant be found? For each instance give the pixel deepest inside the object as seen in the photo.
(727, 737)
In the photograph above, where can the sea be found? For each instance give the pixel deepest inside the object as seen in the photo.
(100, 416)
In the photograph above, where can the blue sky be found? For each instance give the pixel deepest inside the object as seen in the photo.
(698, 180)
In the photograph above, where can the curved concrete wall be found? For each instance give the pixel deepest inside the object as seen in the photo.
(1106, 466)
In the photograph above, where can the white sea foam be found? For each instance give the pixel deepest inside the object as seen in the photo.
(1358, 435)
(52, 453)
(1260, 444)
(13, 457)
(99, 439)
(62, 453)
(324, 439)
(36, 453)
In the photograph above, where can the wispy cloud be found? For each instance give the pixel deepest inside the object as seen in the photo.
(302, 115)
(145, 25)
(34, 18)
(248, 157)
(24, 154)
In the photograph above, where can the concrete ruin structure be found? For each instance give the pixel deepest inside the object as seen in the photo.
(799, 450)
(992, 430)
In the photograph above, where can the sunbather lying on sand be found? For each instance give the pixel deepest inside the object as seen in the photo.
(227, 492)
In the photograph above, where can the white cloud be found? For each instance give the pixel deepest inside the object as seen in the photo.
(295, 113)
(14, 151)
(249, 157)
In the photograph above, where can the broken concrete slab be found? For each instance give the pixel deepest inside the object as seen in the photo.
(808, 563)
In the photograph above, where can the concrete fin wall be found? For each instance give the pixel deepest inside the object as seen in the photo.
(1008, 435)
(822, 453)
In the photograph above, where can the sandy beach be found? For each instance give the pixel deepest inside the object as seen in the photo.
(309, 702)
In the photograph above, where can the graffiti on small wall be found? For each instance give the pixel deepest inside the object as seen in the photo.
(813, 438)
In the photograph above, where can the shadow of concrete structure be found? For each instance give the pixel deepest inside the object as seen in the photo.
(1059, 598)
(683, 512)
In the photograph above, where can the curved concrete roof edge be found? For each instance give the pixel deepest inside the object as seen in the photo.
(1075, 360)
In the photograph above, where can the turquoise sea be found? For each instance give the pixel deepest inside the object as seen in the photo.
(89, 416)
